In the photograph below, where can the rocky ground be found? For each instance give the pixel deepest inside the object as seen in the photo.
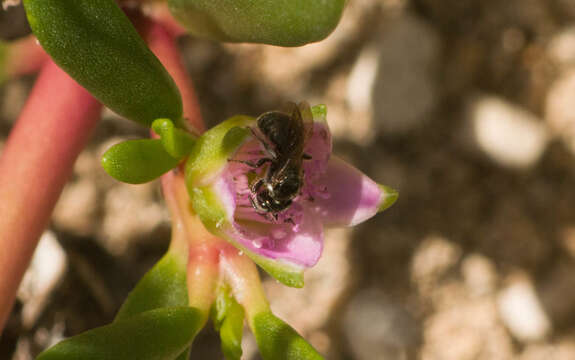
(464, 106)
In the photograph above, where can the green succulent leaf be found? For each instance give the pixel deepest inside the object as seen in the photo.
(228, 316)
(138, 161)
(279, 341)
(153, 335)
(163, 286)
(177, 142)
(275, 22)
(95, 43)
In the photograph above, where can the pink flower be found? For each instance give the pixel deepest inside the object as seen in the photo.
(221, 175)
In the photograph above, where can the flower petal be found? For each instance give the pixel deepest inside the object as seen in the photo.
(353, 197)
(215, 204)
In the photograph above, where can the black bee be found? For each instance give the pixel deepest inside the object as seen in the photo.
(283, 136)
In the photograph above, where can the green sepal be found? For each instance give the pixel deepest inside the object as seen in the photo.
(388, 197)
(153, 335)
(138, 161)
(177, 142)
(214, 148)
(279, 341)
(163, 286)
(274, 22)
(95, 43)
(228, 316)
(319, 113)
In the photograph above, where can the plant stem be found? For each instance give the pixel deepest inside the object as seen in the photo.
(163, 44)
(36, 162)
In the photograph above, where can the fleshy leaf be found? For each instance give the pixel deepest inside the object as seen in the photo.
(229, 321)
(163, 286)
(95, 43)
(279, 341)
(138, 161)
(153, 335)
(177, 142)
(275, 22)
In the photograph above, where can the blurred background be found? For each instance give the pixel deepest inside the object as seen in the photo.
(467, 107)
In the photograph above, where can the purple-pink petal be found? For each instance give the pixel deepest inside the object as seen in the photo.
(353, 197)
(302, 246)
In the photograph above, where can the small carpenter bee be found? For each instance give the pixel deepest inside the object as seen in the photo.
(283, 136)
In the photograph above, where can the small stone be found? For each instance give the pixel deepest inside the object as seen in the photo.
(41, 278)
(561, 48)
(567, 240)
(432, 259)
(479, 274)
(77, 207)
(522, 312)
(130, 212)
(557, 293)
(506, 133)
(563, 350)
(405, 89)
(378, 328)
(559, 109)
(468, 330)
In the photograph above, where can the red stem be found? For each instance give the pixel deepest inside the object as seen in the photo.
(36, 162)
(163, 44)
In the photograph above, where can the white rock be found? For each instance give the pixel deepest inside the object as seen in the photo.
(479, 274)
(41, 278)
(405, 88)
(506, 133)
(377, 328)
(561, 48)
(522, 313)
(432, 259)
(77, 207)
(467, 330)
(131, 211)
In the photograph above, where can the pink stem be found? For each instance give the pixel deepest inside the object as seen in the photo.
(36, 162)
(163, 44)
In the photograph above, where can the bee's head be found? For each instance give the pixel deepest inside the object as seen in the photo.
(265, 201)
(287, 188)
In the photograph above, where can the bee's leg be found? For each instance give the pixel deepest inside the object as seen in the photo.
(255, 187)
(252, 164)
(306, 156)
